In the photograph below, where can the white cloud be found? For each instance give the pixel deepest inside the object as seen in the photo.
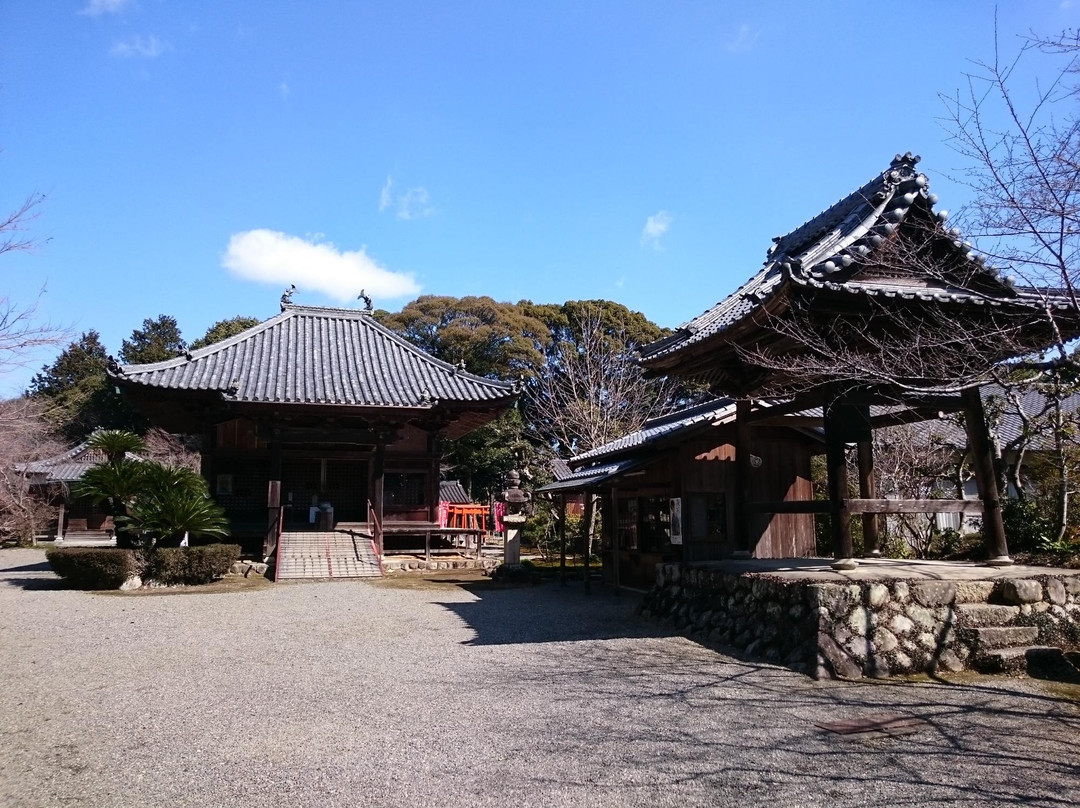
(143, 47)
(268, 256)
(415, 203)
(95, 8)
(656, 227)
(744, 40)
(386, 197)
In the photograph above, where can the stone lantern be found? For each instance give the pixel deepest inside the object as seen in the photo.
(517, 507)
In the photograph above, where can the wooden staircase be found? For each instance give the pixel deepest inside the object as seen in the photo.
(312, 554)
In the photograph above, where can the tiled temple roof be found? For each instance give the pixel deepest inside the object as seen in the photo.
(830, 250)
(318, 355)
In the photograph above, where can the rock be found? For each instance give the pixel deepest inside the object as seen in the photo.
(973, 591)
(1055, 591)
(928, 641)
(859, 620)
(858, 648)
(901, 663)
(900, 624)
(134, 582)
(884, 641)
(1025, 610)
(238, 567)
(1072, 585)
(1040, 607)
(901, 591)
(922, 617)
(934, 593)
(877, 595)
(986, 614)
(832, 661)
(1021, 590)
(949, 661)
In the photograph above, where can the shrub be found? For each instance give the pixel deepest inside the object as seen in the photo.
(1027, 527)
(192, 565)
(93, 567)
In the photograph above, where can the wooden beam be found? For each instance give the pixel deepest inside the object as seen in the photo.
(613, 520)
(837, 425)
(985, 477)
(872, 506)
(742, 480)
(562, 540)
(793, 506)
(868, 490)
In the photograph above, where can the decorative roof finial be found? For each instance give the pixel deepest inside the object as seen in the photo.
(905, 159)
(367, 300)
(286, 298)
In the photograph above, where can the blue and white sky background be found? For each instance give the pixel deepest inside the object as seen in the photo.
(198, 157)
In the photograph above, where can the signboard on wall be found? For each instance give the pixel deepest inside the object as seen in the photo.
(675, 506)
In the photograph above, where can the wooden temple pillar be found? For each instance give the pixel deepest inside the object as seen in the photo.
(611, 524)
(378, 480)
(742, 516)
(590, 508)
(868, 490)
(273, 500)
(985, 477)
(562, 539)
(838, 422)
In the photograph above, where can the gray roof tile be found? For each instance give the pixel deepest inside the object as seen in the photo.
(820, 252)
(318, 355)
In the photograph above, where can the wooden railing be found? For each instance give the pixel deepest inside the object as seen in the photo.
(376, 529)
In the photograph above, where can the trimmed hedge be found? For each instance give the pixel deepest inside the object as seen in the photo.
(192, 565)
(93, 567)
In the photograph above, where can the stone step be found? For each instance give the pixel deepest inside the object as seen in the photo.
(1040, 661)
(977, 615)
(992, 638)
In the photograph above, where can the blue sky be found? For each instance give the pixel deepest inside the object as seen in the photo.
(199, 156)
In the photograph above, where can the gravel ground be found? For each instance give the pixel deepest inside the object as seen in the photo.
(383, 693)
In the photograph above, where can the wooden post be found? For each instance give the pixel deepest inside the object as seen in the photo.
(379, 478)
(868, 490)
(427, 545)
(985, 478)
(589, 507)
(273, 501)
(742, 481)
(613, 520)
(562, 540)
(60, 522)
(836, 465)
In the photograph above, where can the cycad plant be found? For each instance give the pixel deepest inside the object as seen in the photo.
(173, 502)
(152, 504)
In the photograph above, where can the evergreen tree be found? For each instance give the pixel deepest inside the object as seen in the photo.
(223, 329)
(156, 341)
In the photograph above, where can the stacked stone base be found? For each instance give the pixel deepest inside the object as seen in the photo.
(394, 565)
(874, 628)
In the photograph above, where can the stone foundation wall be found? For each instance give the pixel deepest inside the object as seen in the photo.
(419, 565)
(875, 628)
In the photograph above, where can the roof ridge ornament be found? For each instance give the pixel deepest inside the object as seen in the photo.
(368, 306)
(286, 297)
(907, 160)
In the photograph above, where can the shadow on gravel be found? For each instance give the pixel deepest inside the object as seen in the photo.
(43, 566)
(549, 613)
(32, 584)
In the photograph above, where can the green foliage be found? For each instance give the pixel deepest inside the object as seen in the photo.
(192, 565)
(172, 502)
(223, 329)
(492, 339)
(116, 443)
(153, 503)
(78, 395)
(156, 341)
(93, 567)
(1027, 528)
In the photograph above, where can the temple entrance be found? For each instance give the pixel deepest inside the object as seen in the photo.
(308, 482)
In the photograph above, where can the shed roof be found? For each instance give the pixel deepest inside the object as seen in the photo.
(320, 355)
(66, 467)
